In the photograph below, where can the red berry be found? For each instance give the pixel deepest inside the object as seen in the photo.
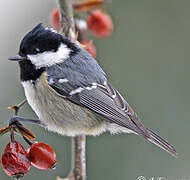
(89, 46)
(99, 23)
(15, 160)
(55, 19)
(42, 156)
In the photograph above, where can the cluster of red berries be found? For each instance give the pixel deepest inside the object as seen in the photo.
(99, 23)
(16, 161)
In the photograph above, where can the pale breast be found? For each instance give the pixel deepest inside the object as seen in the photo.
(61, 115)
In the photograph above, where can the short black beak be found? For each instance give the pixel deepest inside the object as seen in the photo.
(17, 58)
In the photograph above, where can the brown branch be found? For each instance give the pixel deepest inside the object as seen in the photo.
(67, 20)
(78, 167)
(79, 157)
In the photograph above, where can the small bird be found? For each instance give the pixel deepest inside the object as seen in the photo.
(70, 92)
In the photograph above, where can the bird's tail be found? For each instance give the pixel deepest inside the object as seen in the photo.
(160, 142)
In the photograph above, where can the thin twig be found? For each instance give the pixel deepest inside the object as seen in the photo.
(12, 135)
(79, 157)
(78, 167)
(17, 107)
(67, 19)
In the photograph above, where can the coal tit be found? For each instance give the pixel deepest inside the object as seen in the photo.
(69, 91)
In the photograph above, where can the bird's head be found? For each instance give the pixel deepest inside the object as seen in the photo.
(44, 47)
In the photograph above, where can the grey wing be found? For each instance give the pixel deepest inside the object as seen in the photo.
(104, 100)
(107, 102)
(84, 83)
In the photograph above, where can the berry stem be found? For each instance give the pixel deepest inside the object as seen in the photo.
(27, 141)
(12, 135)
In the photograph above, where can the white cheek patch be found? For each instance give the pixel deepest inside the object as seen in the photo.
(49, 58)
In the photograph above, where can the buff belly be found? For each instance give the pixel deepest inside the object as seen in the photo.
(61, 115)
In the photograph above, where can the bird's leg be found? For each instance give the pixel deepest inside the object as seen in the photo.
(16, 119)
(17, 107)
(19, 120)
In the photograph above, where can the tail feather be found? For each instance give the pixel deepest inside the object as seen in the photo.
(160, 142)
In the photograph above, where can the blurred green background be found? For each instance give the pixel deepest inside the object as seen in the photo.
(146, 58)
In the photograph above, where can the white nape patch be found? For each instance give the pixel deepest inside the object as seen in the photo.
(81, 24)
(63, 80)
(50, 58)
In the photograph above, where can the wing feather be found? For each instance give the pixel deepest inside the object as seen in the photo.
(120, 102)
(81, 75)
(103, 100)
(106, 101)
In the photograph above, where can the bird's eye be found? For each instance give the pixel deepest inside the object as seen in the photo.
(36, 51)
